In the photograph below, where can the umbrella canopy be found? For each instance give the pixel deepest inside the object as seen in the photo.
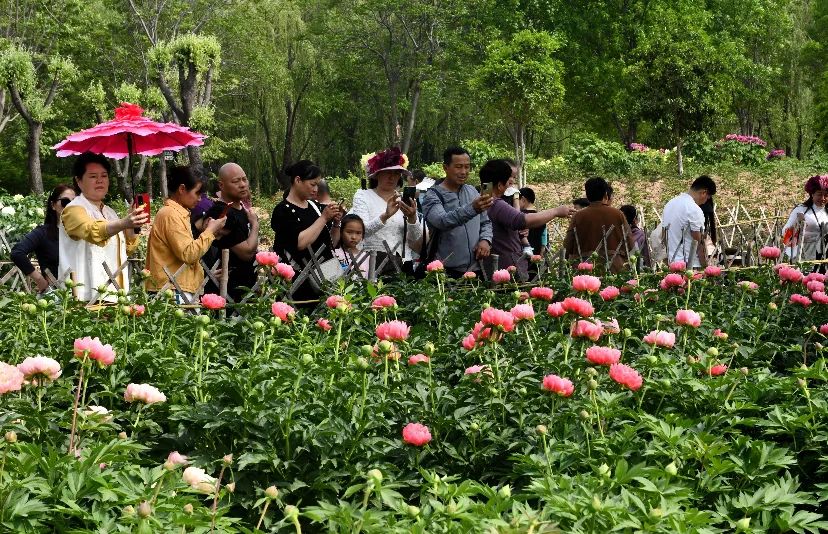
(129, 133)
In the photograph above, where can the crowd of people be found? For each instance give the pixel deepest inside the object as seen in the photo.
(404, 213)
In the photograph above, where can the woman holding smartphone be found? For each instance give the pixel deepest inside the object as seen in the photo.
(387, 217)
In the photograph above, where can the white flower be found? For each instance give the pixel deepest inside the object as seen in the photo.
(17, 198)
(39, 212)
(199, 480)
(7, 211)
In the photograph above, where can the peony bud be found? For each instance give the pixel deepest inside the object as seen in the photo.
(671, 469)
(772, 306)
(385, 346)
(144, 509)
(744, 370)
(597, 505)
(413, 511)
(375, 475)
(272, 492)
(474, 427)
(802, 383)
(291, 512)
(541, 430)
(604, 470)
(585, 415)
(28, 308)
(128, 511)
(188, 509)
(179, 313)
(591, 371)
(203, 334)
(592, 384)
(258, 326)
(11, 436)
(122, 435)
(231, 487)
(227, 459)
(713, 351)
(307, 359)
(522, 391)
(366, 350)
(362, 363)
(429, 349)
(656, 513)
(627, 332)
(691, 360)
(505, 492)
(743, 524)
(203, 319)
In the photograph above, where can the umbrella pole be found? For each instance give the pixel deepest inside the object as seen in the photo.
(130, 177)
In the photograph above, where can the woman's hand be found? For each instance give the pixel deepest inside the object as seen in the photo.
(392, 206)
(132, 223)
(409, 210)
(331, 212)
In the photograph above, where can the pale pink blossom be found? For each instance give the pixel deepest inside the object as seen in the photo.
(198, 480)
(747, 285)
(770, 253)
(815, 285)
(176, 459)
(418, 358)
(285, 271)
(323, 324)
(94, 350)
(609, 293)
(84, 345)
(481, 332)
(143, 393)
(211, 301)
(39, 368)
(470, 275)
(416, 434)
(541, 293)
(383, 301)
(435, 266)
(393, 331)
(824, 329)
(267, 258)
(500, 319)
(678, 266)
(476, 369)
(523, 312)
(283, 311)
(603, 355)
(712, 271)
(337, 302)
(587, 329)
(789, 274)
(717, 333)
(802, 300)
(814, 277)
(11, 378)
(672, 280)
(469, 342)
(137, 310)
(688, 318)
(501, 276)
(626, 376)
(555, 309)
(578, 306)
(819, 297)
(586, 283)
(660, 338)
(585, 266)
(561, 386)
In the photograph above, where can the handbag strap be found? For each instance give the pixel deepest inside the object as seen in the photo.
(327, 230)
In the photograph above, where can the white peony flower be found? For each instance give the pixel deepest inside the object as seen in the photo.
(17, 198)
(7, 211)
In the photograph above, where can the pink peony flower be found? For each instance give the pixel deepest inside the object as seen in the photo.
(481, 332)
(626, 376)
(578, 306)
(11, 378)
(383, 301)
(523, 296)
(819, 297)
(393, 331)
(267, 258)
(104, 354)
(469, 342)
(603, 355)
(137, 310)
(523, 312)
(660, 338)
(588, 329)
(609, 293)
(717, 333)
(39, 368)
(323, 324)
(283, 311)
(536, 258)
(470, 275)
(285, 271)
(211, 301)
(501, 276)
(814, 277)
(802, 300)
(500, 319)
(198, 480)
(824, 329)
(717, 370)
(418, 358)
(712, 271)
(94, 350)
(416, 434)
(477, 369)
(586, 283)
(611, 327)
(585, 266)
(672, 280)
(555, 309)
(629, 286)
(747, 285)
(770, 253)
(435, 266)
(144, 393)
(678, 266)
(789, 274)
(541, 293)
(337, 302)
(512, 269)
(688, 318)
(815, 285)
(84, 346)
(177, 459)
(561, 386)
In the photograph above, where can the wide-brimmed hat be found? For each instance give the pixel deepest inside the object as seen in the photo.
(815, 183)
(386, 160)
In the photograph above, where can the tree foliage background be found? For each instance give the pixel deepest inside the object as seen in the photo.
(275, 81)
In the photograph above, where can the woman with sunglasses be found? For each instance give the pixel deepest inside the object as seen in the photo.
(43, 241)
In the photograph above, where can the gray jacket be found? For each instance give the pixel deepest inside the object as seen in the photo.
(460, 227)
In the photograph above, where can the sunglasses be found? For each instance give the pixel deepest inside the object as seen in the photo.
(64, 201)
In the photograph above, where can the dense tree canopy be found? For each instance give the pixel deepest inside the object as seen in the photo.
(274, 81)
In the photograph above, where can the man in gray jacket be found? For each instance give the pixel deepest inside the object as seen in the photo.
(458, 213)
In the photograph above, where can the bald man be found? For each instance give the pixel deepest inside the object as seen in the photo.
(241, 232)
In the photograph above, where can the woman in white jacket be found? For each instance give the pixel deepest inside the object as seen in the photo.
(807, 226)
(387, 218)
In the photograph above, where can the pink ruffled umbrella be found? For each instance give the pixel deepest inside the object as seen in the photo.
(127, 134)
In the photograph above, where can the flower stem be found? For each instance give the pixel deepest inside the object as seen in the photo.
(75, 408)
(264, 511)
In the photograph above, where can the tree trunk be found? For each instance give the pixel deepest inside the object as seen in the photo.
(196, 165)
(149, 176)
(680, 156)
(162, 175)
(412, 116)
(33, 145)
(395, 113)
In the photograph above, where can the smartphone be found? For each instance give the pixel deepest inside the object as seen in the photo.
(143, 200)
(226, 211)
(409, 193)
(485, 188)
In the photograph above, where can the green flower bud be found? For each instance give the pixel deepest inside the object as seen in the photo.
(772, 306)
(179, 313)
(597, 505)
(656, 513)
(505, 492)
(272, 492)
(592, 384)
(375, 475)
(744, 370)
(203, 334)
(11, 436)
(275, 321)
(122, 435)
(652, 359)
(144, 509)
(451, 509)
(227, 459)
(122, 300)
(128, 511)
(713, 351)
(307, 359)
(385, 346)
(487, 306)
(413, 511)
(591, 371)
(188, 509)
(366, 350)
(42, 304)
(429, 349)
(258, 326)
(671, 469)
(541, 430)
(126, 310)
(362, 363)
(585, 415)
(102, 288)
(474, 427)
(604, 470)
(31, 309)
(743, 524)
(627, 332)
(203, 319)
(691, 360)
(231, 487)
(306, 319)
(801, 382)
(291, 512)
(522, 391)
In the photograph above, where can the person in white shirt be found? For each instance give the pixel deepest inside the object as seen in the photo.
(683, 220)
(387, 218)
(808, 223)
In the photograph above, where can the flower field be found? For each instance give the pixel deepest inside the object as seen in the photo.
(666, 402)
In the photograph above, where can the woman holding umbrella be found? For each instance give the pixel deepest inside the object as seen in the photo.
(92, 234)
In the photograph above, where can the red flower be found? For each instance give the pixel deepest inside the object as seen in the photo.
(717, 370)
(211, 301)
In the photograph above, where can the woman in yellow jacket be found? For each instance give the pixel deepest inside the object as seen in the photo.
(171, 242)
